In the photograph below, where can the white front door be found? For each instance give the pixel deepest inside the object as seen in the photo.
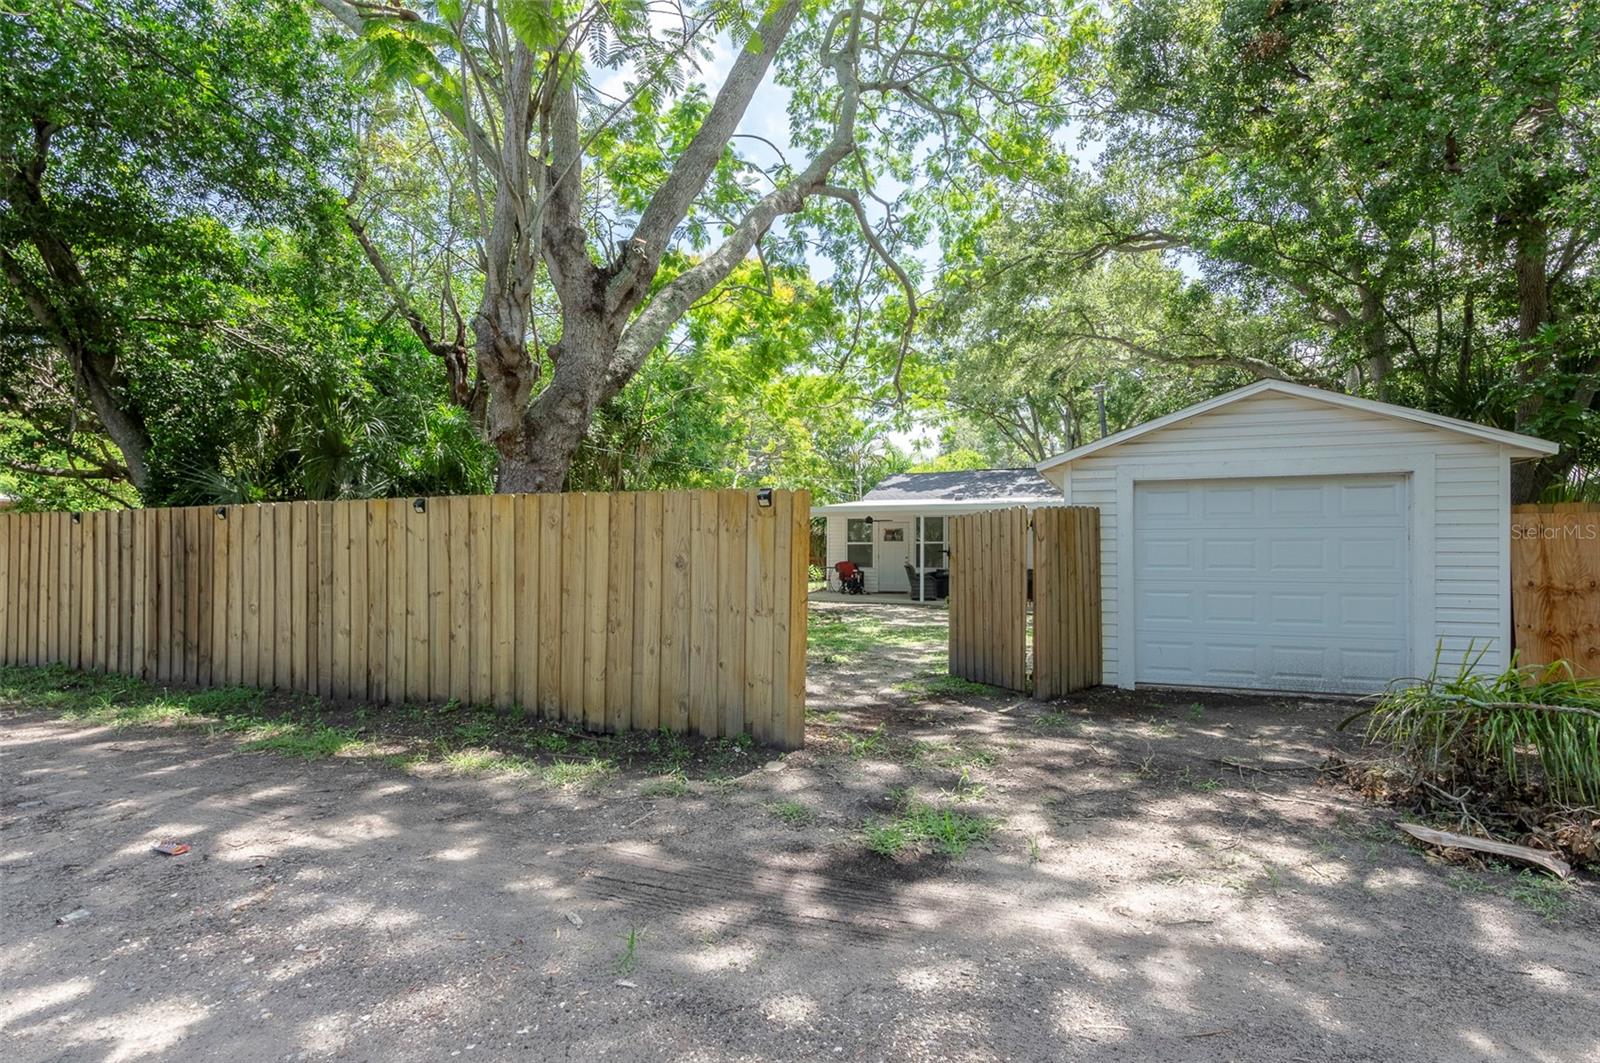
(1282, 584)
(892, 555)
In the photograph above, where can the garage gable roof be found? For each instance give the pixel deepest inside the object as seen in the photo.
(1524, 446)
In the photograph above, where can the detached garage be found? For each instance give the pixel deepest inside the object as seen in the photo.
(1280, 537)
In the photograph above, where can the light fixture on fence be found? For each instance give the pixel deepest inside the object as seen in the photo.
(420, 505)
(764, 497)
(222, 512)
(77, 518)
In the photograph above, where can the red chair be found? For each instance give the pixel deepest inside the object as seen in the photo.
(852, 580)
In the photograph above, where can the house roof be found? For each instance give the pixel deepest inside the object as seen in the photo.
(1522, 446)
(949, 492)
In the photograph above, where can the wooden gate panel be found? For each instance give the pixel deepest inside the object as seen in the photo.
(988, 597)
(1066, 589)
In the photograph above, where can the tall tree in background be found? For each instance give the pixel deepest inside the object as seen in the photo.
(510, 81)
(126, 129)
(1397, 198)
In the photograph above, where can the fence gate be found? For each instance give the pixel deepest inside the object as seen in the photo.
(1066, 600)
(989, 597)
(996, 566)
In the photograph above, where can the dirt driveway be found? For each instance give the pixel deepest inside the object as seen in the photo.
(1145, 877)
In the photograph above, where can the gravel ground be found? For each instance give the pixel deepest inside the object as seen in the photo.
(1166, 879)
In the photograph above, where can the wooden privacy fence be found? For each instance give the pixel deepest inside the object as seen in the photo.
(989, 597)
(990, 561)
(1555, 584)
(1066, 600)
(680, 610)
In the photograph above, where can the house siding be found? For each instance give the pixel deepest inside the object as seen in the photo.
(1463, 593)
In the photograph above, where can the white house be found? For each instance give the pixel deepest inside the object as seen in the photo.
(900, 523)
(1281, 537)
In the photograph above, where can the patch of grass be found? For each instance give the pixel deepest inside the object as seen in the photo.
(958, 756)
(1161, 728)
(837, 639)
(1207, 786)
(1197, 712)
(579, 772)
(1467, 882)
(669, 751)
(1544, 894)
(965, 789)
(1057, 721)
(918, 824)
(824, 716)
(481, 761)
(947, 686)
(874, 743)
(1034, 850)
(314, 741)
(793, 813)
(666, 786)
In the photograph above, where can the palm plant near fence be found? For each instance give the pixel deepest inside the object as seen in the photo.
(1497, 734)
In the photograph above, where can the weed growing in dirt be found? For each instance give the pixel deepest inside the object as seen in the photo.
(917, 825)
(792, 813)
(947, 686)
(1542, 893)
(579, 772)
(628, 960)
(965, 789)
(1197, 712)
(480, 761)
(456, 737)
(823, 716)
(868, 745)
(1033, 850)
(306, 741)
(957, 756)
(1062, 722)
(674, 785)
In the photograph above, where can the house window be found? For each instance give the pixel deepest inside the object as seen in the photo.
(933, 543)
(894, 535)
(858, 543)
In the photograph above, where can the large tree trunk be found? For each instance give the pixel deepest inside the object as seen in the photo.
(536, 458)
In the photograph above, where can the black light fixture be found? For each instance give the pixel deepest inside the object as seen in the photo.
(420, 505)
(77, 518)
(869, 522)
(222, 512)
(764, 497)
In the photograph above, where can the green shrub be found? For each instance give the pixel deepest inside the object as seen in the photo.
(1497, 734)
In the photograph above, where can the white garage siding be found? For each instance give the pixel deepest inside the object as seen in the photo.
(1458, 488)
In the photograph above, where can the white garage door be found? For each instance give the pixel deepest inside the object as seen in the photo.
(1284, 584)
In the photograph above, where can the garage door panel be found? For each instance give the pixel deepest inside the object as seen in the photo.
(1166, 556)
(1229, 607)
(1293, 584)
(1371, 500)
(1297, 501)
(1371, 554)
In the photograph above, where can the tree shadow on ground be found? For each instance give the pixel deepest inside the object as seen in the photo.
(1167, 879)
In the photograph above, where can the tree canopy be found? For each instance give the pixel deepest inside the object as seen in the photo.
(295, 249)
